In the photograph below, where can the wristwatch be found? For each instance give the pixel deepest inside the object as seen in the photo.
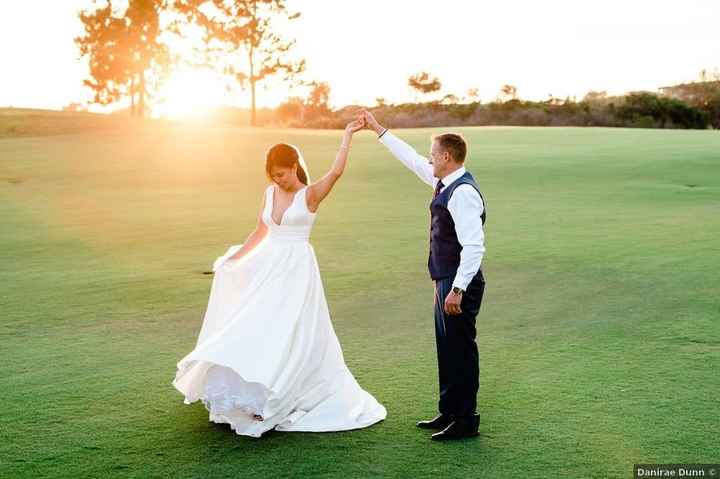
(457, 290)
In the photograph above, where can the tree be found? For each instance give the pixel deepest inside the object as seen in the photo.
(109, 73)
(122, 47)
(473, 94)
(146, 53)
(246, 31)
(319, 96)
(508, 92)
(423, 83)
(450, 99)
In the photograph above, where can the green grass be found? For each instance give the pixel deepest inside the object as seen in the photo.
(599, 333)
(25, 122)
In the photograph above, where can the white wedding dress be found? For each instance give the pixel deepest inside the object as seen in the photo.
(267, 346)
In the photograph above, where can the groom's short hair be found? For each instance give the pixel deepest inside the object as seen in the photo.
(454, 144)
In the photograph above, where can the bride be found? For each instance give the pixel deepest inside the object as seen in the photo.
(267, 356)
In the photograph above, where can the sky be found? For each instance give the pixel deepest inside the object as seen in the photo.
(368, 49)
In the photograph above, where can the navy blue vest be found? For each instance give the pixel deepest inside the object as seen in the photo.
(445, 248)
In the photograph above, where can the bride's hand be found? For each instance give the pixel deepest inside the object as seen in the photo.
(355, 126)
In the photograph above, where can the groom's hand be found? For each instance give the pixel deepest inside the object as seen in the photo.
(371, 122)
(452, 303)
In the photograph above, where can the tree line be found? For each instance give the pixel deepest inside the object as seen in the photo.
(126, 45)
(694, 105)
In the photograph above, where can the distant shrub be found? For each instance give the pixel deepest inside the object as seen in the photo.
(712, 107)
(647, 110)
(291, 110)
(463, 111)
(642, 121)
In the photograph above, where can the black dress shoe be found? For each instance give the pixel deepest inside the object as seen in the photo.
(440, 422)
(459, 428)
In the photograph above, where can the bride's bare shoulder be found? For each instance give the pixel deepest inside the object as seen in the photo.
(267, 194)
(269, 191)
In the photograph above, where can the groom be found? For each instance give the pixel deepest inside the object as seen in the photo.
(457, 214)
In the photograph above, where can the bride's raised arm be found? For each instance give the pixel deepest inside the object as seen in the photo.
(321, 188)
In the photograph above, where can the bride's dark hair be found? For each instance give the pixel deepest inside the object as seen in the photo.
(285, 156)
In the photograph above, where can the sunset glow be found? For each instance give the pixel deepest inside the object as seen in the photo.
(368, 50)
(190, 93)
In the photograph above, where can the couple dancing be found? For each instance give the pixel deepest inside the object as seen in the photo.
(267, 356)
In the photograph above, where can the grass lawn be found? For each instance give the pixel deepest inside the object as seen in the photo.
(599, 335)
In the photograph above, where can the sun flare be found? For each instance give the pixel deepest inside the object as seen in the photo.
(190, 93)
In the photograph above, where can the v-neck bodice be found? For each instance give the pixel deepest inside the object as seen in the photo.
(297, 220)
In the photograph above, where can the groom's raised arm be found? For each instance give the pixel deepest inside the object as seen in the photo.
(407, 155)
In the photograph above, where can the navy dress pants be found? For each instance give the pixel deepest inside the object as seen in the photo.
(457, 351)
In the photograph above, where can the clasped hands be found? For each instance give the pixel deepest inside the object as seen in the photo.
(364, 119)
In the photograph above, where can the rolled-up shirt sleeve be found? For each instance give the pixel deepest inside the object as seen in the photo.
(407, 155)
(466, 207)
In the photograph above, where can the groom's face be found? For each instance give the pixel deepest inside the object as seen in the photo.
(439, 159)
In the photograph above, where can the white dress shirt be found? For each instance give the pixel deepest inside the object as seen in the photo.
(465, 207)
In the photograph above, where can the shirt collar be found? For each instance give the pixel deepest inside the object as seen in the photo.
(453, 176)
